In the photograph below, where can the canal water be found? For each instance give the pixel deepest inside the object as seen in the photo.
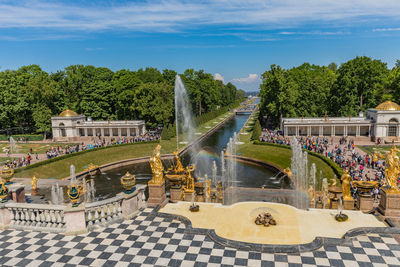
(248, 175)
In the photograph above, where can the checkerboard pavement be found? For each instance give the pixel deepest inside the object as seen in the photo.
(150, 240)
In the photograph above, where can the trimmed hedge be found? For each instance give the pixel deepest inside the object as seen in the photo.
(336, 169)
(44, 162)
(31, 137)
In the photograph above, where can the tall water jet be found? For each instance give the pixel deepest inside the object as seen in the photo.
(214, 173)
(313, 173)
(299, 166)
(183, 114)
(231, 171)
(12, 145)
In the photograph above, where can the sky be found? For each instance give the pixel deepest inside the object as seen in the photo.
(235, 40)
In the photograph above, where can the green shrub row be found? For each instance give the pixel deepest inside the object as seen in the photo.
(44, 162)
(31, 137)
(336, 168)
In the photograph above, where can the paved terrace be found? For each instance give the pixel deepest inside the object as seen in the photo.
(151, 239)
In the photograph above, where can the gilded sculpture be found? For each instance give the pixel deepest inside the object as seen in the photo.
(392, 170)
(34, 183)
(74, 193)
(346, 179)
(189, 186)
(311, 193)
(156, 167)
(288, 172)
(128, 182)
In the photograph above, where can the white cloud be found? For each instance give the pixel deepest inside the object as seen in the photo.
(218, 77)
(386, 30)
(180, 15)
(251, 79)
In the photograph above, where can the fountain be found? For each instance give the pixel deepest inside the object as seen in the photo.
(313, 172)
(183, 114)
(299, 167)
(12, 144)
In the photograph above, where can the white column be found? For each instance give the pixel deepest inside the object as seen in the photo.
(128, 132)
(369, 130)
(332, 130)
(119, 132)
(358, 130)
(102, 132)
(285, 128)
(345, 130)
(309, 130)
(86, 134)
(297, 130)
(320, 131)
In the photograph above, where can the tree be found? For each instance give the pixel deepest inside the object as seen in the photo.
(332, 66)
(256, 131)
(360, 85)
(42, 118)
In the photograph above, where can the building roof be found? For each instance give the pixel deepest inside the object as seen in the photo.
(68, 113)
(388, 106)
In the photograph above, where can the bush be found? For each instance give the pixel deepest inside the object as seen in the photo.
(44, 162)
(256, 131)
(336, 168)
(30, 137)
(164, 133)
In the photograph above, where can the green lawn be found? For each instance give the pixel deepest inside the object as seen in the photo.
(381, 149)
(24, 148)
(5, 159)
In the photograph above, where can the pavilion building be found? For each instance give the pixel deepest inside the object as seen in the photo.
(380, 122)
(69, 126)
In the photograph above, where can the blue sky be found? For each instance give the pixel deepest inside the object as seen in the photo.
(235, 40)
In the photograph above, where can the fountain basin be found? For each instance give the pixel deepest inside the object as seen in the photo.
(294, 226)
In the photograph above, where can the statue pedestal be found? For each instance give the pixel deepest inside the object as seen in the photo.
(365, 202)
(200, 198)
(189, 196)
(348, 204)
(156, 195)
(389, 205)
(176, 194)
(333, 203)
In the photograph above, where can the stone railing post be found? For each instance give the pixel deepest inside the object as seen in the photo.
(5, 216)
(75, 221)
(132, 203)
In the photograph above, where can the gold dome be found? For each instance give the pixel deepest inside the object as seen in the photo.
(388, 105)
(68, 113)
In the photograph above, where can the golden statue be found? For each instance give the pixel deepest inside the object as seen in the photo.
(219, 190)
(392, 170)
(346, 179)
(333, 181)
(288, 172)
(209, 188)
(156, 167)
(189, 187)
(375, 157)
(178, 166)
(311, 193)
(34, 183)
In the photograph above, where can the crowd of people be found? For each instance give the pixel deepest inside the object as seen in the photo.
(361, 167)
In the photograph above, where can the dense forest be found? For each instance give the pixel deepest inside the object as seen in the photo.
(29, 96)
(313, 91)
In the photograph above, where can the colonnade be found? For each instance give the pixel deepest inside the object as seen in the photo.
(327, 130)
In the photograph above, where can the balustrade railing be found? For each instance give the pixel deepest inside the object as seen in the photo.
(104, 212)
(39, 217)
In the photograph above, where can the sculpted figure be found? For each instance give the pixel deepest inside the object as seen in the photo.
(34, 183)
(392, 170)
(156, 167)
(346, 179)
(311, 193)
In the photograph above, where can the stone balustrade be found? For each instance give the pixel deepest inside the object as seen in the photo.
(37, 217)
(104, 212)
(71, 220)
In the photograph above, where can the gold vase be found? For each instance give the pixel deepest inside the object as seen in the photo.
(128, 182)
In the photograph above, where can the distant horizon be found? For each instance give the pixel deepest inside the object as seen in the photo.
(235, 40)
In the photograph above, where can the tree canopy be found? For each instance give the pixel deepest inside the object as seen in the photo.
(313, 91)
(29, 96)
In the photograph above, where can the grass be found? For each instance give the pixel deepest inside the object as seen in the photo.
(5, 159)
(60, 169)
(381, 149)
(24, 148)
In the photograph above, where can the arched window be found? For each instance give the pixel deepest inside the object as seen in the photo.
(392, 131)
(62, 130)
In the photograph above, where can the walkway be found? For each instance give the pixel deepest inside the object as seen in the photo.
(151, 240)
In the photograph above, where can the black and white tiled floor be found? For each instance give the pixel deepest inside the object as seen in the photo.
(148, 240)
